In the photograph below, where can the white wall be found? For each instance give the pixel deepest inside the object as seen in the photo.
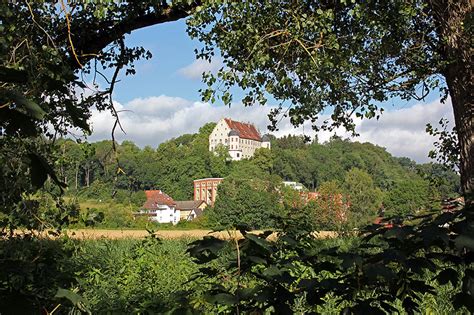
(294, 185)
(164, 214)
(220, 135)
(238, 148)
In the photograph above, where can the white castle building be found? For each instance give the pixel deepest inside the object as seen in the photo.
(241, 139)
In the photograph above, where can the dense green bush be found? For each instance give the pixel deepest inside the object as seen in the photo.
(404, 269)
(242, 201)
(408, 197)
(32, 270)
(133, 276)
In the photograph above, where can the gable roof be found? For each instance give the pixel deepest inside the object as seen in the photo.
(197, 211)
(189, 204)
(246, 131)
(157, 197)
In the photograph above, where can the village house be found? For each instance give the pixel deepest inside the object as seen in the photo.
(295, 185)
(241, 139)
(190, 209)
(159, 207)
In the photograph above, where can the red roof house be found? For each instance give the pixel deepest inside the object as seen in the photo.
(155, 198)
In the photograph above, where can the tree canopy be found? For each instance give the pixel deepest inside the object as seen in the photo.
(53, 56)
(348, 56)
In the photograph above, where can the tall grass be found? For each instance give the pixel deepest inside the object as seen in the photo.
(133, 276)
(130, 276)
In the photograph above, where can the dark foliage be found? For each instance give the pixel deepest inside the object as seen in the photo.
(386, 269)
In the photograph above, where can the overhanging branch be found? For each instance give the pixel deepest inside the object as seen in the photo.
(88, 43)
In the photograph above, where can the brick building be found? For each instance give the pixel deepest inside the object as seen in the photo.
(206, 189)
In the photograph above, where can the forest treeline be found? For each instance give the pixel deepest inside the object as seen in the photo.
(363, 170)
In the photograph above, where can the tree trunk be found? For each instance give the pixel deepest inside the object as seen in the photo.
(87, 175)
(463, 105)
(77, 173)
(451, 17)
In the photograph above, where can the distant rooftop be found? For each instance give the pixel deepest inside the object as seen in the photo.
(157, 197)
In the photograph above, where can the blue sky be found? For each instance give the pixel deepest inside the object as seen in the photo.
(164, 101)
(172, 49)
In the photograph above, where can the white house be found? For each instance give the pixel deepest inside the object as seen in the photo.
(241, 139)
(295, 185)
(159, 207)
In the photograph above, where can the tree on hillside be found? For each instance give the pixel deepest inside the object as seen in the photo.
(219, 161)
(443, 179)
(243, 201)
(407, 198)
(262, 158)
(346, 55)
(365, 199)
(329, 210)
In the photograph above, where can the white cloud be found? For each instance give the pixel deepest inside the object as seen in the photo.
(150, 121)
(195, 70)
(402, 131)
(163, 105)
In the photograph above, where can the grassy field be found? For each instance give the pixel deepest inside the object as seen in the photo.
(113, 234)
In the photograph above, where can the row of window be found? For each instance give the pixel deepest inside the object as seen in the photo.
(244, 141)
(245, 156)
(207, 184)
(236, 147)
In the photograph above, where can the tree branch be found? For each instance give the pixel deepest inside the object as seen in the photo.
(88, 43)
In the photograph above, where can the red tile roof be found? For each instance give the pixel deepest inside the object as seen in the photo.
(246, 131)
(157, 197)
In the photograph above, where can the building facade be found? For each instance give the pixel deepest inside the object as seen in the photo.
(190, 209)
(240, 139)
(295, 185)
(206, 189)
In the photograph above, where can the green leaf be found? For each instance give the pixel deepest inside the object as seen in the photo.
(272, 272)
(39, 171)
(12, 75)
(24, 104)
(463, 299)
(78, 117)
(448, 275)
(257, 260)
(464, 241)
(77, 300)
(259, 241)
(70, 295)
(222, 298)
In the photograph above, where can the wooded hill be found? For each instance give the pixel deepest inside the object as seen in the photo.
(174, 165)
